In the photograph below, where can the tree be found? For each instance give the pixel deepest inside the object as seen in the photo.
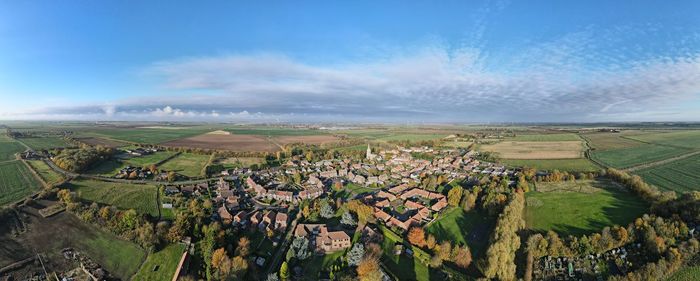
(364, 212)
(239, 266)
(454, 196)
(272, 277)
(284, 271)
(327, 211)
(416, 236)
(463, 257)
(65, 196)
(218, 257)
(348, 219)
(445, 250)
(368, 270)
(300, 245)
(243, 248)
(431, 242)
(146, 235)
(172, 176)
(355, 255)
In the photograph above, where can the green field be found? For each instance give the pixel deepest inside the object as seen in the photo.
(112, 167)
(689, 273)
(403, 266)
(608, 141)
(39, 143)
(273, 131)
(546, 137)
(16, 182)
(141, 198)
(471, 228)
(352, 189)
(580, 207)
(688, 139)
(680, 175)
(411, 137)
(144, 135)
(569, 165)
(632, 156)
(165, 260)
(8, 150)
(316, 264)
(45, 172)
(118, 256)
(187, 164)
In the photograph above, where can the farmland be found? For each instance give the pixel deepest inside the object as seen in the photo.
(608, 141)
(16, 182)
(8, 150)
(680, 175)
(320, 139)
(546, 137)
(101, 141)
(39, 143)
(686, 139)
(580, 207)
(141, 198)
(632, 156)
(50, 235)
(45, 172)
(145, 135)
(536, 149)
(187, 164)
(275, 131)
(232, 162)
(569, 165)
(165, 263)
(233, 142)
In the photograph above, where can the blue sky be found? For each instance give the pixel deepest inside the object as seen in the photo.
(394, 61)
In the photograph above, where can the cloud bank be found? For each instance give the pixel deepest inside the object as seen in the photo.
(585, 76)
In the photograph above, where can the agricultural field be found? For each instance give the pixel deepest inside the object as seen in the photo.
(463, 228)
(275, 131)
(45, 172)
(681, 175)
(686, 274)
(9, 148)
(536, 149)
(580, 207)
(16, 182)
(145, 135)
(685, 139)
(637, 155)
(609, 141)
(546, 137)
(568, 165)
(187, 164)
(319, 139)
(40, 143)
(102, 142)
(50, 235)
(233, 162)
(112, 167)
(225, 141)
(141, 198)
(161, 265)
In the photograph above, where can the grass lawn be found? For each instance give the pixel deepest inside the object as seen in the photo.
(680, 175)
(581, 207)
(632, 156)
(547, 137)
(316, 264)
(569, 165)
(40, 143)
(403, 266)
(165, 260)
(141, 198)
(111, 167)
(45, 172)
(686, 274)
(351, 189)
(187, 164)
(459, 227)
(16, 182)
(8, 150)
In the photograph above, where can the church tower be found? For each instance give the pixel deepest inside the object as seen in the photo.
(369, 152)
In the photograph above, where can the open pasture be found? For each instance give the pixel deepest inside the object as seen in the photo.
(546, 137)
(45, 172)
(50, 235)
(569, 165)
(40, 143)
(233, 162)
(681, 175)
(187, 164)
(536, 149)
(638, 155)
(232, 142)
(9, 148)
(16, 182)
(141, 198)
(580, 207)
(101, 142)
(686, 139)
(111, 167)
(164, 262)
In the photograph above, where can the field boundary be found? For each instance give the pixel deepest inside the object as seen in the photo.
(36, 174)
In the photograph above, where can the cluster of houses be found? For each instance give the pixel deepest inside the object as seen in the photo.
(262, 220)
(404, 207)
(138, 172)
(322, 240)
(312, 190)
(140, 151)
